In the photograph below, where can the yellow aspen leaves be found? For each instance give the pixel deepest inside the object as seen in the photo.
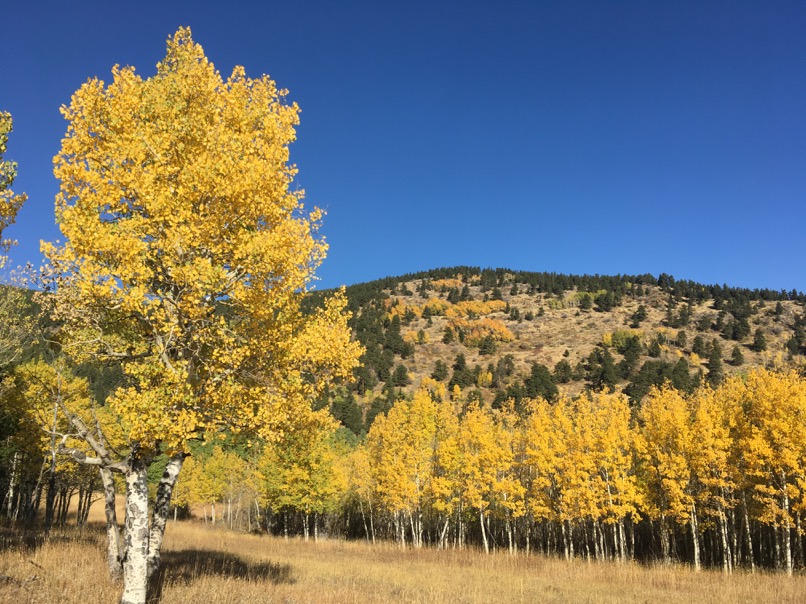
(187, 250)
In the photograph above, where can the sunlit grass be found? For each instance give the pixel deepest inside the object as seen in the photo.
(217, 566)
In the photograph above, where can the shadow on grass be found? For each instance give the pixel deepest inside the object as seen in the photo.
(185, 566)
(31, 538)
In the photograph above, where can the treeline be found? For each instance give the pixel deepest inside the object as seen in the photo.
(713, 478)
(558, 283)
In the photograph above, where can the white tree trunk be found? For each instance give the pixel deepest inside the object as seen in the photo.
(162, 506)
(484, 533)
(114, 540)
(135, 565)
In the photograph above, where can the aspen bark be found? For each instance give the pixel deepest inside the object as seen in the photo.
(114, 541)
(484, 533)
(135, 564)
(748, 535)
(162, 507)
(695, 537)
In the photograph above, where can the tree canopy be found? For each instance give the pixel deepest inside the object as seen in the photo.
(187, 254)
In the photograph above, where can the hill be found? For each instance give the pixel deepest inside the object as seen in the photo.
(496, 334)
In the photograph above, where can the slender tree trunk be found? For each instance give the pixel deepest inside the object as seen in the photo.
(162, 506)
(363, 518)
(50, 499)
(114, 540)
(734, 538)
(631, 532)
(664, 540)
(695, 537)
(484, 533)
(135, 565)
(444, 532)
(726, 553)
(747, 534)
(787, 535)
(371, 522)
(622, 540)
(11, 509)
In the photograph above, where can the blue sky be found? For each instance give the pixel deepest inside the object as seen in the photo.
(576, 137)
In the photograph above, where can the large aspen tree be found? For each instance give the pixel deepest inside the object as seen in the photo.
(187, 253)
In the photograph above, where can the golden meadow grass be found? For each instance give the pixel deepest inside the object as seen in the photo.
(218, 566)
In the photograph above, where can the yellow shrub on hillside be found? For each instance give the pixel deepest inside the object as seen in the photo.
(476, 330)
(447, 283)
(618, 338)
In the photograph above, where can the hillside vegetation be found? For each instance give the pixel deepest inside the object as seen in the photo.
(501, 334)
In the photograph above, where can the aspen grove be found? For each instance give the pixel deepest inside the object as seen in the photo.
(715, 478)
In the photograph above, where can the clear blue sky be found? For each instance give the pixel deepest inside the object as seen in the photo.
(577, 137)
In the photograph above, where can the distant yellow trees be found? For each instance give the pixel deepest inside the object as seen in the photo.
(715, 477)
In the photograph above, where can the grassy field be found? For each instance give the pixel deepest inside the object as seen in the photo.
(218, 566)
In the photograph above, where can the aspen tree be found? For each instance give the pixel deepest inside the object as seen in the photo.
(187, 253)
(614, 450)
(299, 470)
(402, 449)
(713, 422)
(486, 461)
(666, 449)
(775, 446)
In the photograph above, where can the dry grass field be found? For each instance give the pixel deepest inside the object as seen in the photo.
(217, 566)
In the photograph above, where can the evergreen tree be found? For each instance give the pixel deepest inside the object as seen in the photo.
(400, 377)
(632, 353)
(681, 378)
(540, 383)
(602, 370)
(487, 346)
(440, 372)
(605, 301)
(562, 372)
(704, 323)
(715, 370)
(448, 336)
(736, 357)
(759, 341)
(348, 413)
(638, 316)
(698, 347)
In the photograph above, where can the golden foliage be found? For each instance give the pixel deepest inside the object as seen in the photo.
(476, 330)
(188, 252)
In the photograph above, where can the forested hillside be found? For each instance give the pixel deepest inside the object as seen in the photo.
(494, 335)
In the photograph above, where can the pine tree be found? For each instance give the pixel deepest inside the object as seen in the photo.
(715, 369)
(759, 340)
(736, 357)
